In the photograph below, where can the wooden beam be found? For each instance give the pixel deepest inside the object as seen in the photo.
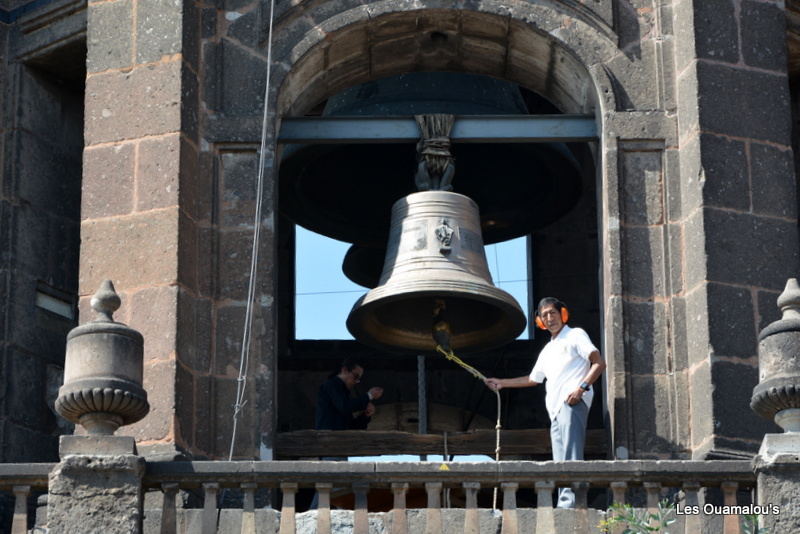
(315, 443)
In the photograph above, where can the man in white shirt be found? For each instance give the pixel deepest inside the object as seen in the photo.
(571, 364)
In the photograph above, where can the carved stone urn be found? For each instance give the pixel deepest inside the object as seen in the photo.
(103, 371)
(777, 395)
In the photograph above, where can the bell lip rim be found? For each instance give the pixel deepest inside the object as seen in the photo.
(510, 308)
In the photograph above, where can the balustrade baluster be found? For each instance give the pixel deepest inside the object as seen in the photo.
(399, 516)
(693, 520)
(581, 514)
(433, 524)
(289, 490)
(210, 508)
(472, 524)
(545, 518)
(730, 523)
(510, 524)
(169, 519)
(361, 513)
(20, 522)
(249, 507)
(618, 490)
(653, 490)
(324, 507)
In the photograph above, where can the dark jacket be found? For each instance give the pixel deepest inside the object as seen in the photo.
(335, 407)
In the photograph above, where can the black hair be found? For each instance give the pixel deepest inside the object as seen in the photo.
(550, 301)
(347, 363)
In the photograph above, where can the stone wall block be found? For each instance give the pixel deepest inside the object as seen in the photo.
(190, 105)
(157, 176)
(348, 47)
(673, 184)
(700, 393)
(31, 328)
(772, 174)
(237, 188)
(134, 251)
(748, 249)
(47, 109)
(159, 29)
(228, 348)
(716, 30)
(96, 494)
(636, 79)
(689, 106)
(763, 30)
(479, 56)
(643, 268)
(652, 416)
(642, 194)
(158, 425)
(110, 35)
(683, 26)
(731, 102)
(724, 170)
(203, 427)
(733, 417)
(225, 400)
(235, 251)
(108, 184)
(697, 319)
(240, 81)
(130, 105)
(195, 325)
(678, 328)
(695, 250)
(185, 407)
(731, 334)
(36, 162)
(248, 28)
(190, 256)
(646, 338)
(23, 401)
(767, 311)
(154, 312)
(21, 443)
(391, 54)
(675, 283)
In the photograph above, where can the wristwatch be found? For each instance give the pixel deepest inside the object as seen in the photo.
(369, 395)
(585, 386)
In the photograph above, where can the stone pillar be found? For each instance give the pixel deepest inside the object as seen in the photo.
(141, 201)
(777, 398)
(737, 212)
(97, 486)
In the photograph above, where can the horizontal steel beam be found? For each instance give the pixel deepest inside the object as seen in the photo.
(466, 129)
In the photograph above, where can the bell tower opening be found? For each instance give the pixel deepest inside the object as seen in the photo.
(536, 198)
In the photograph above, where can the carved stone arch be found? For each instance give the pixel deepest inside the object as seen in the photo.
(552, 53)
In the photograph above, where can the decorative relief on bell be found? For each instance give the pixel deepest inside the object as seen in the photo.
(103, 371)
(777, 395)
(445, 236)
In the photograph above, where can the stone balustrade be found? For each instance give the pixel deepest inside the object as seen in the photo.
(643, 481)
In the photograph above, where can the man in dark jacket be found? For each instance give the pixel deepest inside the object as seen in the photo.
(336, 409)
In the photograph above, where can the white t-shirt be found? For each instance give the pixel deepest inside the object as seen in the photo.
(564, 362)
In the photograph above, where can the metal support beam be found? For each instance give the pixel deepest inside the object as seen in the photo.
(466, 129)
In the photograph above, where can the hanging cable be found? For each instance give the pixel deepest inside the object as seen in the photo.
(241, 382)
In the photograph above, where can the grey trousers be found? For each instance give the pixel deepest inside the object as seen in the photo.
(568, 436)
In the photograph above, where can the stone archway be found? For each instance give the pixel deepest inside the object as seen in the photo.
(445, 40)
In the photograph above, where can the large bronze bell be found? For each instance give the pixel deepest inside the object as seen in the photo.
(435, 270)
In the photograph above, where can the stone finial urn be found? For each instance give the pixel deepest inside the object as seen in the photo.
(103, 371)
(777, 395)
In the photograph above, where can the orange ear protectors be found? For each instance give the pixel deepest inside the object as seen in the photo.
(564, 317)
